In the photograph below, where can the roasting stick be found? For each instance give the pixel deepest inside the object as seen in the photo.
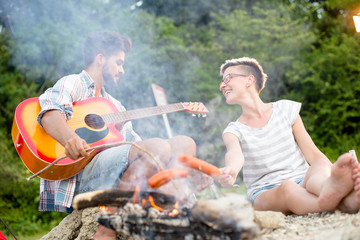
(213, 189)
(107, 145)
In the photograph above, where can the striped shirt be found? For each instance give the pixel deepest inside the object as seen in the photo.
(58, 195)
(271, 152)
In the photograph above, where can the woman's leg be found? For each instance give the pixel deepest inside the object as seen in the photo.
(351, 203)
(287, 198)
(339, 184)
(315, 177)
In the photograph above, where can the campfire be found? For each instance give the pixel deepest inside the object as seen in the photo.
(151, 214)
(162, 216)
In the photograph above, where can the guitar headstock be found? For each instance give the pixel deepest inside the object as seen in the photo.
(195, 108)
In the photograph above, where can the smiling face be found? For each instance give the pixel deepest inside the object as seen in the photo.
(234, 84)
(113, 68)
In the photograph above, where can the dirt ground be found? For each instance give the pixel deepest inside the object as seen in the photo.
(321, 226)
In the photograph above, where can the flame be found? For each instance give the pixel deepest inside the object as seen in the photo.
(175, 211)
(151, 200)
(103, 209)
(136, 194)
(143, 202)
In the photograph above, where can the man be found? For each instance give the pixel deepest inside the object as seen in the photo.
(121, 167)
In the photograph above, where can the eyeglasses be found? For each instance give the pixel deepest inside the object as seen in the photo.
(229, 76)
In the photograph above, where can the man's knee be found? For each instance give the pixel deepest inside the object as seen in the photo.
(185, 143)
(155, 144)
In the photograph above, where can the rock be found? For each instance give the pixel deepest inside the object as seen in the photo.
(79, 225)
(269, 219)
(89, 225)
(67, 229)
(232, 211)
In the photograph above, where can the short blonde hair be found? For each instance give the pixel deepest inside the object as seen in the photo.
(250, 66)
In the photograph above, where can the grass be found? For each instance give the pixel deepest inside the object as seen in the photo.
(37, 236)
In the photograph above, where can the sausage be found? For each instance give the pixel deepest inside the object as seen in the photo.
(165, 176)
(200, 165)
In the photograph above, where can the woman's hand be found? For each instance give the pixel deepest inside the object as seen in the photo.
(227, 176)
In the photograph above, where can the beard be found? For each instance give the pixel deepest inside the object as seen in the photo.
(108, 77)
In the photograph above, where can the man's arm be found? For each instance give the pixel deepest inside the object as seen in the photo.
(56, 126)
(234, 160)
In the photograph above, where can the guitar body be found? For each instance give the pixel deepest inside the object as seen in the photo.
(37, 149)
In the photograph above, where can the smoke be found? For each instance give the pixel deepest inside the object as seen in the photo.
(49, 35)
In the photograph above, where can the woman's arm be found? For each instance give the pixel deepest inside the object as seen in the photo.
(306, 144)
(234, 160)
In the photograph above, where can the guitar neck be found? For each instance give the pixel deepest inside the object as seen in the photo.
(141, 113)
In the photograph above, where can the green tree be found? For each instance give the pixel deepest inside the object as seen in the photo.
(18, 198)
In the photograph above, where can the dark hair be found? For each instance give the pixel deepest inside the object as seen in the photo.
(106, 42)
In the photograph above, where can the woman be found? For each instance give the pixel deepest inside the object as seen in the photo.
(270, 142)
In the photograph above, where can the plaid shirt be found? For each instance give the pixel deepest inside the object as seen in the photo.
(58, 195)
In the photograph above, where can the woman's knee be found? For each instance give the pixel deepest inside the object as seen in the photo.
(287, 189)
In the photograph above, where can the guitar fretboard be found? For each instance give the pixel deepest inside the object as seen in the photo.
(141, 113)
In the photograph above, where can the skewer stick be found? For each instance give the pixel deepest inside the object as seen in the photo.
(107, 145)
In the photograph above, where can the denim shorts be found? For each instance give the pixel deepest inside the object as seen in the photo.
(104, 170)
(257, 193)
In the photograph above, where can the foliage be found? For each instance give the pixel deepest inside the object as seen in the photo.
(18, 198)
(308, 48)
(330, 77)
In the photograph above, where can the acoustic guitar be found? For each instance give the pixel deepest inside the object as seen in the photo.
(93, 120)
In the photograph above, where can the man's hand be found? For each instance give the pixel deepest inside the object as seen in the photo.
(75, 148)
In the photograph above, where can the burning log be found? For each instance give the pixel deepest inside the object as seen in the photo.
(114, 197)
(229, 217)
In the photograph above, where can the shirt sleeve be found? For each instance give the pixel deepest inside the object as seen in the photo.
(294, 111)
(232, 128)
(60, 97)
(290, 109)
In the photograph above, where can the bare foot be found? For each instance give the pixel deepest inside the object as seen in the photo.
(339, 184)
(104, 233)
(351, 203)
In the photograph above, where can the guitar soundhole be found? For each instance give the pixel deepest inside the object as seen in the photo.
(94, 121)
